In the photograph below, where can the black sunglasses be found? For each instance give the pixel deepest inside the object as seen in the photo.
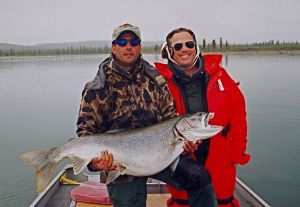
(123, 42)
(189, 44)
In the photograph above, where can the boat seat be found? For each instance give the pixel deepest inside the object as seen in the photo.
(91, 192)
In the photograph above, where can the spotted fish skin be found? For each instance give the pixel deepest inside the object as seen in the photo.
(138, 152)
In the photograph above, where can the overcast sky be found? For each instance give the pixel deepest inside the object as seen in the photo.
(44, 21)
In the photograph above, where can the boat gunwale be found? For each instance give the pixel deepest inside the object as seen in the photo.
(49, 186)
(162, 189)
(251, 192)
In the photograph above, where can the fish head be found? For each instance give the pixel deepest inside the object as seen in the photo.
(196, 127)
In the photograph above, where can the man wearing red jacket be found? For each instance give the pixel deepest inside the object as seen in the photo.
(199, 83)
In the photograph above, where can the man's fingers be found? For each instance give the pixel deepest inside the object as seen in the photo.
(104, 161)
(199, 141)
(94, 161)
(113, 166)
(190, 147)
(194, 145)
(106, 156)
(102, 157)
(110, 160)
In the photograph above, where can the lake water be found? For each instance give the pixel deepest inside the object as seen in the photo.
(39, 102)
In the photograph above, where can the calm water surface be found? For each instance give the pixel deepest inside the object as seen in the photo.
(39, 102)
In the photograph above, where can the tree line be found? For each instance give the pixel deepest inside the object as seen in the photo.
(256, 46)
(205, 46)
(82, 50)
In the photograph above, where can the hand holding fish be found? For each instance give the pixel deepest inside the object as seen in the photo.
(190, 146)
(103, 162)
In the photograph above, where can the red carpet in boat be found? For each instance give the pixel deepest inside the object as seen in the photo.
(91, 192)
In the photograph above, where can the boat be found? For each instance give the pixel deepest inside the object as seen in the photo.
(58, 192)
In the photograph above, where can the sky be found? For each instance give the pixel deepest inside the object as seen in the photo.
(30, 22)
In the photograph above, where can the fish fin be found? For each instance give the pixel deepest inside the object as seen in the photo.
(112, 175)
(43, 167)
(121, 168)
(173, 165)
(115, 131)
(78, 163)
(43, 176)
(71, 139)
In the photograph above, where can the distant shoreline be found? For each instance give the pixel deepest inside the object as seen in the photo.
(148, 47)
(249, 52)
(262, 52)
(256, 52)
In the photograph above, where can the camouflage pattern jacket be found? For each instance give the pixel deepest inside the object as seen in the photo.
(116, 99)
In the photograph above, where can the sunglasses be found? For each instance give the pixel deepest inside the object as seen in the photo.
(123, 42)
(189, 44)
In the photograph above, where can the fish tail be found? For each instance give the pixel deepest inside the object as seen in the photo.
(43, 166)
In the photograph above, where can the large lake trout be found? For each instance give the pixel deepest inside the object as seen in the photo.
(139, 152)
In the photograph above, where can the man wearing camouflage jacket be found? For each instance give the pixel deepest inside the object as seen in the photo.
(128, 92)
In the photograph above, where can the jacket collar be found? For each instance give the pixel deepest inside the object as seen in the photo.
(180, 75)
(110, 66)
(212, 63)
(115, 67)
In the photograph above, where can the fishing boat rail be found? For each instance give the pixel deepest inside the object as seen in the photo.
(58, 192)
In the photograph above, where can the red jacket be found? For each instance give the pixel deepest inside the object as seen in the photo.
(227, 103)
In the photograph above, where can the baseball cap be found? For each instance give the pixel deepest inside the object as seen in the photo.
(126, 28)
